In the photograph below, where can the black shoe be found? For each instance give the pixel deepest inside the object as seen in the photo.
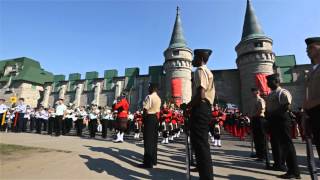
(253, 155)
(144, 166)
(280, 168)
(260, 159)
(289, 176)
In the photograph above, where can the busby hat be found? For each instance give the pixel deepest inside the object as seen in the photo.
(312, 40)
(204, 54)
(273, 77)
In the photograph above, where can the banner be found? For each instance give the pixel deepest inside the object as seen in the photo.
(176, 89)
(261, 82)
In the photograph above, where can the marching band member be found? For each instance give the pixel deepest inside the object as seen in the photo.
(60, 114)
(3, 114)
(104, 121)
(122, 117)
(165, 115)
(38, 120)
(27, 115)
(52, 116)
(32, 119)
(20, 110)
(44, 119)
(93, 120)
(130, 123)
(216, 118)
(81, 116)
(137, 124)
(68, 121)
(174, 122)
(110, 120)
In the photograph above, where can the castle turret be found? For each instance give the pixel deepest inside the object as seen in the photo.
(255, 56)
(177, 65)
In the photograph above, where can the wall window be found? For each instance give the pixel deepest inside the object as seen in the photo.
(175, 53)
(258, 44)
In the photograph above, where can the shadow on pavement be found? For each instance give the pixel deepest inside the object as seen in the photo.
(131, 158)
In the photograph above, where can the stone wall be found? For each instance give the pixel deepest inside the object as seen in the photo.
(297, 87)
(227, 84)
(30, 92)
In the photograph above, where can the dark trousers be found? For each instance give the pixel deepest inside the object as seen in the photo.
(314, 115)
(93, 127)
(280, 126)
(44, 122)
(38, 125)
(58, 125)
(79, 126)
(51, 125)
(259, 136)
(21, 123)
(32, 123)
(200, 117)
(150, 137)
(104, 123)
(67, 125)
(110, 125)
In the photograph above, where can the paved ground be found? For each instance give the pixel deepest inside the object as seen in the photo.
(102, 159)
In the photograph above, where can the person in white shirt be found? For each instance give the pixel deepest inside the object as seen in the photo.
(60, 115)
(3, 112)
(33, 120)
(27, 115)
(44, 117)
(130, 122)
(51, 119)
(38, 120)
(20, 122)
(104, 122)
(110, 119)
(11, 117)
(93, 120)
(81, 114)
(68, 121)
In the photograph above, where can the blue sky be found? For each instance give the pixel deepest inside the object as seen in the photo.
(69, 36)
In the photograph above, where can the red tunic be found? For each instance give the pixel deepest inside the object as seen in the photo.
(122, 107)
(138, 118)
(166, 115)
(180, 118)
(175, 118)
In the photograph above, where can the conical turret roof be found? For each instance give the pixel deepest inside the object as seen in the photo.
(251, 26)
(177, 38)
